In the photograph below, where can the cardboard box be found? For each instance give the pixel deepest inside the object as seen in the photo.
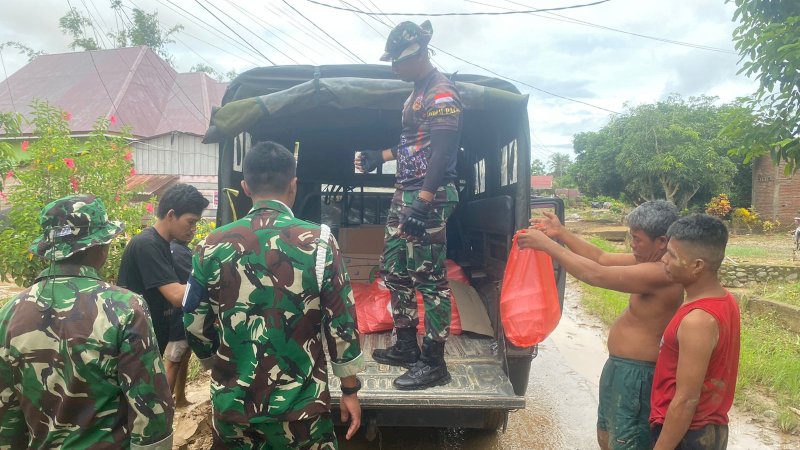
(364, 239)
(360, 266)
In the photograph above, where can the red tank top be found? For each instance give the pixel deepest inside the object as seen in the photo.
(716, 396)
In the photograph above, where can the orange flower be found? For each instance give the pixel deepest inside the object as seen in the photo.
(24, 146)
(149, 208)
(74, 183)
(128, 156)
(69, 162)
(133, 171)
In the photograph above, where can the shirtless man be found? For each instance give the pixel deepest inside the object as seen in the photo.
(634, 338)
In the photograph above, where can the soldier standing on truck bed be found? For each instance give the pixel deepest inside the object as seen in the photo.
(415, 246)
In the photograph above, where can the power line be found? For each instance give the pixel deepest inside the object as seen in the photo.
(234, 32)
(484, 13)
(97, 22)
(266, 25)
(183, 13)
(173, 78)
(562, 18)
(522, 82)
(308, 31)
(8, 83)
(253, 33)
(325, 32)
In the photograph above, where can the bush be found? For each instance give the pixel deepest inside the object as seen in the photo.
(60, 165)
(719, 206)
(745, 218)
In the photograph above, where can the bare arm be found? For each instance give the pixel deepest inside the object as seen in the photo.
(552, 227)
(697, 337)
(174, 293)
(634, 279)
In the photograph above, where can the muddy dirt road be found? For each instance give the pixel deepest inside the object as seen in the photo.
(560, 413)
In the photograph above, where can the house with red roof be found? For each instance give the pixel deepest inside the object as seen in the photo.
(167, 112)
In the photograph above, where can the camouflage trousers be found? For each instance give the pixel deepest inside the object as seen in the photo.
(409, 266)
(311, 434)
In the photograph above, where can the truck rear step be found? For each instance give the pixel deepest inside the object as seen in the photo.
(478, 379)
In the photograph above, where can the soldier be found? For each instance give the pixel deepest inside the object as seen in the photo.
(177, 351)
(275, 284)
(415, 243)
(79, 364)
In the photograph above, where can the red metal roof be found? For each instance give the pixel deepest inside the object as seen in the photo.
(149, 185)
(541, 182)
(132, 84)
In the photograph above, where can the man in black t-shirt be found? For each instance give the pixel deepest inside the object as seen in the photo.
(147, 267)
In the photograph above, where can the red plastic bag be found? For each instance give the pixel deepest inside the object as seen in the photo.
(372, 307)
(529, 306)
(455, 272)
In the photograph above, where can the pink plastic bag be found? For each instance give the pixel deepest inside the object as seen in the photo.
(529, 306)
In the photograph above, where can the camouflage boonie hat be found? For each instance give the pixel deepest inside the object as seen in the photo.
(406, 40)
(72, 224)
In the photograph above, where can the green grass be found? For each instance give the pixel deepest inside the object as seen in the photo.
(195, 369)
(747, 251)
(606, 246)
(605, 304)
(770, 364)
(788, 293)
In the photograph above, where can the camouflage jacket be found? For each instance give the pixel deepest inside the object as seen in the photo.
(79, 367)
(264, 317)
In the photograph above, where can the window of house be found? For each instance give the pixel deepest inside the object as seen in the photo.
(508, 163)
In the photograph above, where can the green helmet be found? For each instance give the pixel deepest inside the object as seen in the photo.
(72, 224)
(406, 40)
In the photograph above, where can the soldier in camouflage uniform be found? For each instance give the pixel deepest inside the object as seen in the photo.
(79, 364)
(415, 246)
(277, 287)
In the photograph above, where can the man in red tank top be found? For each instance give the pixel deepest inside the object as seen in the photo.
(695, 375)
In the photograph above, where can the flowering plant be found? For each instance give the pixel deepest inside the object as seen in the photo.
(59, 165)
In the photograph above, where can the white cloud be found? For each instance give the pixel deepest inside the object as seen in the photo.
(597, 66)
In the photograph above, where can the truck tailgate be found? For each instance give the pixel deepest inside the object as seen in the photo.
(478, 380)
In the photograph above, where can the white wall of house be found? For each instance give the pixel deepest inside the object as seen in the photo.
(175, 154)
(184, 155)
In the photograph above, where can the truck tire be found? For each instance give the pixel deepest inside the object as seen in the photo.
(495, 420)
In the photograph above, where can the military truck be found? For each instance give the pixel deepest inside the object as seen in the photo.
(326, 114)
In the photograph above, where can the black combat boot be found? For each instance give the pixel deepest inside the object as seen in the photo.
(404, 353)
(429, 371)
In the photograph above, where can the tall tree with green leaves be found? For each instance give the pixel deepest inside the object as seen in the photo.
(671, 149)
(559, 164)
(537, 167)
(142, 28)
(75, 24)
(768, 40)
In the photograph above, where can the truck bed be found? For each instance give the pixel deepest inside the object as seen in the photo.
(478, 380)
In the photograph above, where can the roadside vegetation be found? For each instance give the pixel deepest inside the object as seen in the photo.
(768, 384)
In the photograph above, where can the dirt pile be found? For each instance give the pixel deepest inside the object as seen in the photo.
(192, 424)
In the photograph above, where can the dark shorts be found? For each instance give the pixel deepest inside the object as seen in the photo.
(710, 437)
(624, 409)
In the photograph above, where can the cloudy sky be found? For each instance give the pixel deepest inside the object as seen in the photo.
(569, 54)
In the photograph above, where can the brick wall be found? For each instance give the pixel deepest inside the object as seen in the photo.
(775, 196)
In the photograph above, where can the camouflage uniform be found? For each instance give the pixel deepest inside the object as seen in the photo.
(434, 104)
(79, 366)
(269, 374)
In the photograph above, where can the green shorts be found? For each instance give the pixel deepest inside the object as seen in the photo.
(624, 409)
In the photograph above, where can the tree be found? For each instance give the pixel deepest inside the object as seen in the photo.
(559, 164)
(75, 24)
(23, 49)
(537, 167)
(142, 29)
(146, 30)
(671, 149)
(768, 40)
(61, 165)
